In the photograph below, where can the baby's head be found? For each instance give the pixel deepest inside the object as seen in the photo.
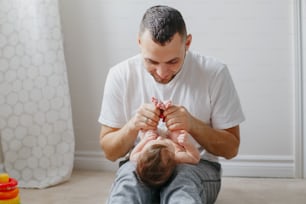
(156, 165)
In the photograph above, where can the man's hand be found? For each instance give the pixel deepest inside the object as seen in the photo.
(178, 118)
(116, 142)
(146, 118)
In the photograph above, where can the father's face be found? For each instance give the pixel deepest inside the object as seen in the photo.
(163, 62)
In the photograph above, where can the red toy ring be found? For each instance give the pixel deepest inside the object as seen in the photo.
(10, 185)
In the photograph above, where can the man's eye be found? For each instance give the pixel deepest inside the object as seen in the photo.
(173, 62)
(151, 62)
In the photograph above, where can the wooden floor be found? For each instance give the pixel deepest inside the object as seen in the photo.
(92, 187)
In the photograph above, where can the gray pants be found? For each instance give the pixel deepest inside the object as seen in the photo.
(198, 184)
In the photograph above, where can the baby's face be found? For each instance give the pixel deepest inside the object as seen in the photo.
(160, 140)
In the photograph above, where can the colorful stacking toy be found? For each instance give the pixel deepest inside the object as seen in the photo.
(9, 192)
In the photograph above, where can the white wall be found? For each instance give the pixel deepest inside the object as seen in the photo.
(303, 68)
(255, 38)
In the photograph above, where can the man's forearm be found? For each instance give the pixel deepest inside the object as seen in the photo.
(223, 143)
(116, 143)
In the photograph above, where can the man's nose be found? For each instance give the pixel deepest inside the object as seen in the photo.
(162, 71)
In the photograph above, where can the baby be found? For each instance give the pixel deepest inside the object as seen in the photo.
(156, 155)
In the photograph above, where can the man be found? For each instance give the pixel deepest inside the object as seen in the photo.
(205, 104)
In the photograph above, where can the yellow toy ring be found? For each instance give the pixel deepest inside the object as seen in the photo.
(11, 201)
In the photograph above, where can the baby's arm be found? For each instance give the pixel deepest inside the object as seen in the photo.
(185, 152)
(148, 136)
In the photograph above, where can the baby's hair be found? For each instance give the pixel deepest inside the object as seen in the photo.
(156, 165)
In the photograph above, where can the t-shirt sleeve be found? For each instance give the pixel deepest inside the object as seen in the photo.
(226, 108)
(112, 113)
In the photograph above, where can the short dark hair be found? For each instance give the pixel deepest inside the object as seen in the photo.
(163, 22)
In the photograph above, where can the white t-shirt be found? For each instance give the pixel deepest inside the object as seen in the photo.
(203, 86)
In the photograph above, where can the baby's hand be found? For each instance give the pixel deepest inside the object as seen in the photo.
(150, 135)
(182, 138)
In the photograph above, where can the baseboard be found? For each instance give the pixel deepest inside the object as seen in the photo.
(92, 160)
(241, 166)
(259, 166)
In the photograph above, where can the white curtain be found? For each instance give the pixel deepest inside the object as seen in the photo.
(35, 112)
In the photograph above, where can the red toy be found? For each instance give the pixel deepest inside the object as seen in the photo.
(9, 192)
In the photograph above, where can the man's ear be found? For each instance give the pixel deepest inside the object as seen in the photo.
(138, 40)
(188, 41)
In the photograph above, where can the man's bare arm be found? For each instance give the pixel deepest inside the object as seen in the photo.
(224, 143)
(116, 142)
